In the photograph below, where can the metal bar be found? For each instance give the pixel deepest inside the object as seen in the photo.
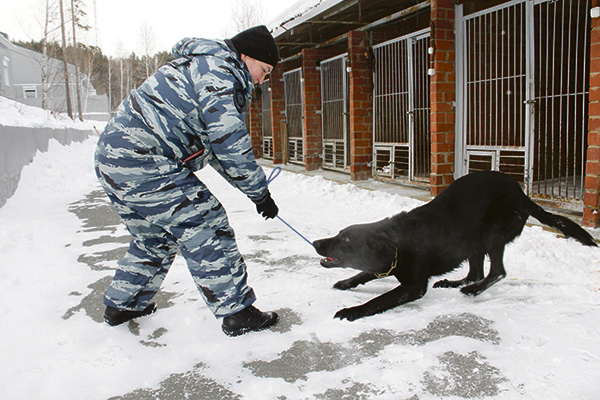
(585, 74)
(560, 104)
(462, 71)
(553, 135)
(410, 106)
(481, 90)
(568, 125)
(526, 13)
(502, 75)
(574, 124)
(496, 63)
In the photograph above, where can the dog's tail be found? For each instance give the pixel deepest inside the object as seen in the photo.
(563, 224)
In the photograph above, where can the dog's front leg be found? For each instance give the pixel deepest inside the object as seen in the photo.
(393, 298)
(358, 279)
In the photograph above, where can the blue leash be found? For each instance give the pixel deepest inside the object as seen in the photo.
(274, 174)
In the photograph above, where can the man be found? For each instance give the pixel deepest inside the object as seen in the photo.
(188, 114)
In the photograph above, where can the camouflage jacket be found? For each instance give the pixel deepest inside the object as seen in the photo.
(191, 111)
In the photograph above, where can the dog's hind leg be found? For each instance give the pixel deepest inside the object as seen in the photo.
(475, 274)
(358, 279)
(497, 273)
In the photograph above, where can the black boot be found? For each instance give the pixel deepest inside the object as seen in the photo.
(247, 320)
(115, 317)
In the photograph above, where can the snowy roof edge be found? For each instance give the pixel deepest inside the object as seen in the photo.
(298, 13)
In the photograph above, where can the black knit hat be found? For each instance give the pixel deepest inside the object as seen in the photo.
(257, 43)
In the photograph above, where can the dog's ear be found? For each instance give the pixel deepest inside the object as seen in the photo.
(381, 243)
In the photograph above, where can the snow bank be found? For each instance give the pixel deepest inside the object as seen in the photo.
(13, 113)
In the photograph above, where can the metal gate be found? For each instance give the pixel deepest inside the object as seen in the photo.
(334, 92)
(401, 128)
(522, 106)
(267, 131)
(292, 81)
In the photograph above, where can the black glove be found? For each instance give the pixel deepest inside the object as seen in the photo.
(267, 207)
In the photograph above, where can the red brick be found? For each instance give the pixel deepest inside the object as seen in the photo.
(592, 168)
(592, 182)
(593, 153)
(594, 137)
(595, 93)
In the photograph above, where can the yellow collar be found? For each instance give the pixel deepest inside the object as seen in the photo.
(394, 265)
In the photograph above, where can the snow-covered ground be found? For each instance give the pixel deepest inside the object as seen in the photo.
(13, 113)
(534, 335)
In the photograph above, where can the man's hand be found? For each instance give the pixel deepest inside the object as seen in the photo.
(267, 208)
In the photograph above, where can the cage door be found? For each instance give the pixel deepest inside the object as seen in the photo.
(334, 92)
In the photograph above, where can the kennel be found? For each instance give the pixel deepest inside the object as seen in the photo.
(267, 132)
(334, 93)
(401, 97)
(292, 82)
(523, 93)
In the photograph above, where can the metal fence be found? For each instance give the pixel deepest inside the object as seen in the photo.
(334, 92)
(292, 81)
(401, 126)
(561, 97)
(524, 89)
(267, 132)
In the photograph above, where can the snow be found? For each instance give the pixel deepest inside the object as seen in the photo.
(299, 12)
(13, 113)
(534, 335)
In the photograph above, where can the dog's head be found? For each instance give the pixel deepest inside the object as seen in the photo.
(363, 247)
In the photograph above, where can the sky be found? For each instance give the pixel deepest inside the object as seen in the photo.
(533, 335)
(119, 22)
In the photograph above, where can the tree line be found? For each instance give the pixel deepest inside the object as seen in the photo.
(114, 77)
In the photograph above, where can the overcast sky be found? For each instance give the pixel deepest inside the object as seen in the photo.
(119, 22)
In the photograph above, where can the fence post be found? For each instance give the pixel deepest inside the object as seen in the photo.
(591, 197)
(313, 130)
(361, 106)
(255, 125)
(443, 95)
(277, 113)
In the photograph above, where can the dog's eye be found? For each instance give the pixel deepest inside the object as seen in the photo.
(346, 240)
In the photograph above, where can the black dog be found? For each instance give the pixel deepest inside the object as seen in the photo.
(475, 216)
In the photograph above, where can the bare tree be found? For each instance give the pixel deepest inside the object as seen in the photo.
(121, 55)
(147, 43)
(49, 12)
(109, 84)
(77, 15)
(65, 61)
(77, 82)
(247, 13)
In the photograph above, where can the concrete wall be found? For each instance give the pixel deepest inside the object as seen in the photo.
(18, 147)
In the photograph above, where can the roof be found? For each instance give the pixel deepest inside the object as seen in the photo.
(310, 23)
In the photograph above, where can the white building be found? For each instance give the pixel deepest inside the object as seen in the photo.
(21, 80)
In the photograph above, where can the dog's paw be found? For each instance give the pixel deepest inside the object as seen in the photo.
(351, 314)
(472, 290)
(444, 283)
(343, 285)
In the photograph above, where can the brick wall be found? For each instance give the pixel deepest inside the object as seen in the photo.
(591, 199)
(255, 125)
(277, 112)
(361, 106)
(311, 98)
(443, 95)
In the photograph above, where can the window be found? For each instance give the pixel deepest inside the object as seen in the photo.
(30, 92)
(5, 71)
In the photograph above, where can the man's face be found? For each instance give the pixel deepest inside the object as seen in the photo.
(258, 69)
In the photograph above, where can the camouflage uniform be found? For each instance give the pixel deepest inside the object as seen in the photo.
(188, 114)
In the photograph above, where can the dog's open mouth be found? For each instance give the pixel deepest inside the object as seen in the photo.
(329, 262)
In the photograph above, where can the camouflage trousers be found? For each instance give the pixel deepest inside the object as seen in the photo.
(166, 207)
